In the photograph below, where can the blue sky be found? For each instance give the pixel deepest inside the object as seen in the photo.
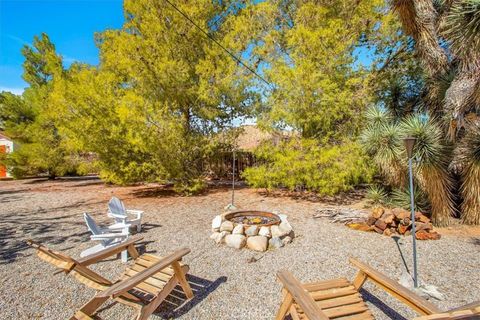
(70, 24)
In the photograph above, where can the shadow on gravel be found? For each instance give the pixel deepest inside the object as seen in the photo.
(391, 313)
(2, 192)
(16, 229)
(62, 179)
(176, 305)
(476, 241)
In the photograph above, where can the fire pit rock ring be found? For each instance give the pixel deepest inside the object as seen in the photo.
(255, 230)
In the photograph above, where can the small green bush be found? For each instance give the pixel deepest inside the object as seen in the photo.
(377, 195)
(304, 164)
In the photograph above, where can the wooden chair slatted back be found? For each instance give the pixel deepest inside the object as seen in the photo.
(68, 264)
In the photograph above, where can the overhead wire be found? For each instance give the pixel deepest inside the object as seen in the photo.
(209, 36)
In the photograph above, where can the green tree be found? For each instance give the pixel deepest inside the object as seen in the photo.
(161, 92)
(29, 120)
(446, 41)
(307, 49)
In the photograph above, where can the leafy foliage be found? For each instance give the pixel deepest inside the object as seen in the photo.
(401, 198)
(377, 195)
(301, 164)
(29, 119)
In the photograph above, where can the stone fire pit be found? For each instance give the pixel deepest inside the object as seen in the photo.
(256, 230)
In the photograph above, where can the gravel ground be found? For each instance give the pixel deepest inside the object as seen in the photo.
(227, 286)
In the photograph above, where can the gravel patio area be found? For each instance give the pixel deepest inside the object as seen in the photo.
(227, 284)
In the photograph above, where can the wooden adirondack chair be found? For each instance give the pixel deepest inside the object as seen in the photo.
(340, 299)
(456, 315)
(143, 286)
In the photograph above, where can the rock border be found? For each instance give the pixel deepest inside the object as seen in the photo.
(261, 239)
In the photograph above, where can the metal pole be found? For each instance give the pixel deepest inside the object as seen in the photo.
(412, 208)
(233, 179)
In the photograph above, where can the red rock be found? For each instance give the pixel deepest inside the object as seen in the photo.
(400, 213)
(425, 235)
(402, 228)
(419, 226)
(377, 212)
(359, 226)
(377, 230)
(388, 217)
(371, 221)
(381, 224)
(421, 217)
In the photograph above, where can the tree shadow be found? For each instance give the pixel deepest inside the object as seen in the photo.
(3, 192)
(476, 241)
(62, 179)
(14, 230)
(343, 198)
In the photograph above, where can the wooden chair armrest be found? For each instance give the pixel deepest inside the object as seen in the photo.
(301, 296)
(93, 258)
(398, 291)
(471, 306)
(123, 286)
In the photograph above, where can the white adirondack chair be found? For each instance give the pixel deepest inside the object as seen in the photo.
(106, 237)
(122, 216)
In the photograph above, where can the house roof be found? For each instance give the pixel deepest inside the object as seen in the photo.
(251, 137)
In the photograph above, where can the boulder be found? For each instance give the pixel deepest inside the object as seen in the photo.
(387, 232)
(377, 212)
(264, 231)
(226, 226)
(287, 240)
(251, 231)
(217, 222)
(285, 227)
(283, 217)
(275, 243)
(238, 229)
(400, 213)
(236, 241)
(257, 243)
(279, 232)
(220, 236)
(214, 235)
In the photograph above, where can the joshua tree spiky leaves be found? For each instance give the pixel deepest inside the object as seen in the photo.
(447, 41)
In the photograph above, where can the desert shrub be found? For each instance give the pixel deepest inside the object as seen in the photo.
(401, 198)
(377, 195)
(303, 164)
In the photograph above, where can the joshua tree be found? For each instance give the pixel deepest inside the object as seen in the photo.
(446, 36)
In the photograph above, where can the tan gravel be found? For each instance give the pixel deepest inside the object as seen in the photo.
(227, 286)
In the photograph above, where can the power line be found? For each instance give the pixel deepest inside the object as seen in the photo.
(219, 44)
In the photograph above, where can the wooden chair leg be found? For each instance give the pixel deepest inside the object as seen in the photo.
(285, 306)
(89, 308)
(359, 280)
(180, 274)
(148, 309)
